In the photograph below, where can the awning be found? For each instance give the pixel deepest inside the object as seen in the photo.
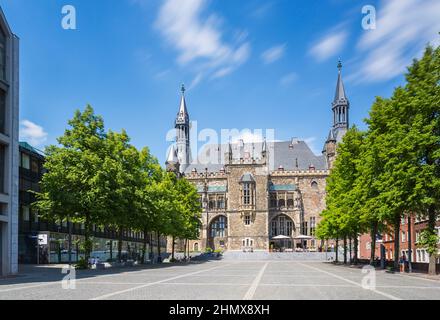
(303, 237)
(280, 237)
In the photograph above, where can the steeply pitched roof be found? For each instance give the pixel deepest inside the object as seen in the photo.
(182, 115)
(340, 96)
(331, 136)
(172, 155)
(291, 155)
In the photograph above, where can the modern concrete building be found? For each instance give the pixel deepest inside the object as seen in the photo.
(9, 86)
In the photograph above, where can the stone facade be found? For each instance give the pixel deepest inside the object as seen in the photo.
(308, 195)
(260, 196)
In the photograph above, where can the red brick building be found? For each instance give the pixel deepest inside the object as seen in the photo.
(419, 254)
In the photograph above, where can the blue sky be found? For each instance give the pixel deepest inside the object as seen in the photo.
(246, 64)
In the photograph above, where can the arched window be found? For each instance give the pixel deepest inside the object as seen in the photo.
(196, 246)
(218, 227)
(314, 185)
(281, 225)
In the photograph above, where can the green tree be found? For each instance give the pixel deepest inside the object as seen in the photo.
(343, 202)
(71, 187)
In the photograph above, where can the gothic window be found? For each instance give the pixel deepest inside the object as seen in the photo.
(246, 194)
(211, 204)
(220, 202)
(282, 222)
(218, 227)
(247, 219)
(273, 200)
(305, 230)
(196, 247)
(281, 203)
(312, 225)
(281, 225)
(247, 189)
(274, 229)
(289, 225)
(290, 202)
(314, 185)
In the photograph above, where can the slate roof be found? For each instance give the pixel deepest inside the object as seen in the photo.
(291, 155)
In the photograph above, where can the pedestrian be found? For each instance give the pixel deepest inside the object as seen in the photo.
(402, 262)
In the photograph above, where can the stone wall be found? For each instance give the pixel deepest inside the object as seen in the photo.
(310, 192)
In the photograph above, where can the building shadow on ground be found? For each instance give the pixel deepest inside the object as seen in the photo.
(33, 274)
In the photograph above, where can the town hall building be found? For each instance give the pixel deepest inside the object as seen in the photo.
(259, 196)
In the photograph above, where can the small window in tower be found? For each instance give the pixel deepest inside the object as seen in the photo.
(314, 185)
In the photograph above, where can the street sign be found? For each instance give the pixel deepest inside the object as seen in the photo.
(42, 239)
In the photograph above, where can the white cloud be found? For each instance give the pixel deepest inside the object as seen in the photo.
(32, 133)
(288, 79)
(262, 10)
(198, 39)
(273, 54)
(195, 81)
(329, 45)
(403, 28)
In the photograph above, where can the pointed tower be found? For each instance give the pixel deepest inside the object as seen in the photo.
(182, 134)
(340, 107)
(172, 163)
(228, 154)
(264, 149)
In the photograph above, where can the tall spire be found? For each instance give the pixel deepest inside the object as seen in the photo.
(182, 133)
(340, 107)
(182, 115)
(172, 156)
(340, 90)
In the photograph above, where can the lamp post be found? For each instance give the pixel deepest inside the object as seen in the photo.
(205, 190)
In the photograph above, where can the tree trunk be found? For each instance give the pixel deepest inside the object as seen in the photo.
(185, 248)
(188, 249)
(373, 242)
(345, 250)
(396, 242)
(173, 244)
(349, 246)
(159, 259)
(87, 248)
(151, 248)
(355, 249)
(120, 244)
(337, 251)
(144, 248)
(431, 228)
(409, 244)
